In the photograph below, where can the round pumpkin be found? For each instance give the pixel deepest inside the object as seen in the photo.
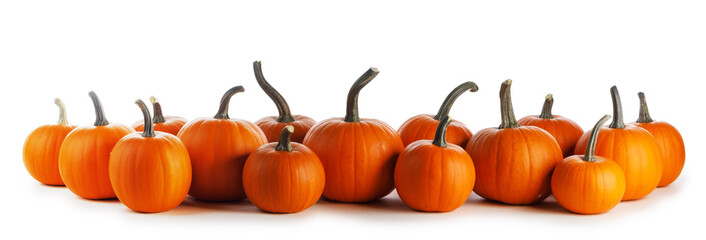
(565, 131)
(167, 124)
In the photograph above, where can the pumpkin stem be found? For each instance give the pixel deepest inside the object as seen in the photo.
(440, 135)
(644, 112)
(149, 128)
(617, 109)
(158, 116)
(352, 103)
(225, 100)
(62, 112)
(285, 115)
(285, 142)
(451, 98)
(100, 116)
(590, 155)
(547, 107)
(507, 114)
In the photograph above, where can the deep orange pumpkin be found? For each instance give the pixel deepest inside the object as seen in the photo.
(433, 176)
(565, 131)
(272, 125)
(632, 147)
(423, 126)
(41, 149)
(513, 163)
(150, 172)
(358, 155)
(167, 124)
(84, 156)
(218, 148)
(284, 176)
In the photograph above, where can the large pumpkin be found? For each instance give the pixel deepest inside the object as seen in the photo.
(565, 131)
(358, 154)
(167, 124)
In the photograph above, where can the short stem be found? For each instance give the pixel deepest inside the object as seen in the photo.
(149, 128)
(285, 115)
(352, 103)
(507, 114)
(62, 112)
(590, 154)
(440, 135)
(158, 116)
(451, 98)
(100, 116)
(644, 112)
(617, 109)
(547, 107)
(285, 142)
(225, 100)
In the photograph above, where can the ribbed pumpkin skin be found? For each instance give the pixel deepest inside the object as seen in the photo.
(40, 153)
(171, 125)
(637, 153)
(588, 187)
(423, 126)
(514, 165)
(218, 149)
(358, 158)
(84, 156)
(283, 182)
(150, 174)
(272, 128)
(671, 145)
(434, 179)
(565, 131)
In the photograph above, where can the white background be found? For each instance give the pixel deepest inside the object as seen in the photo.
(189, 53)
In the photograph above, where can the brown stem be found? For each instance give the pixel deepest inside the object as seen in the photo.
(451, 98)
(440, 135)
(149, 128)
(507, 114)
(590, 154)
(617, 109)
(62, 112)
(547, 107)
(158, 115)
(644, 112)
(225, 100)
(285, 115)
(352, 103)
(285, 142)
(100, 116)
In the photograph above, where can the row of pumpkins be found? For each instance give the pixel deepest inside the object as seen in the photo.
(353, 160)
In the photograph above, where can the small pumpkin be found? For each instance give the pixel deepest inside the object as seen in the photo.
(423, 126)
(41, 149)
(168, 124)
(433, 175)
(358, 155)
(513, 163)
(218, 147)
(84, 155)
(283, 176)
(150, 172)
(565, 131)
(632, 147)
(669, 140)
(588, 184)
(272, 125)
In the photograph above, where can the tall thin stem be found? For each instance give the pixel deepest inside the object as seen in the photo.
(506, 112)
(285, 115)
(547, 107)
(451, 98)
(617, 109)
(352, 102)
(158, 115)
(225, 100)
(644, 112)
(100, 116)
(440, 135)
(149, 128)
(62, 112)
(590, 155)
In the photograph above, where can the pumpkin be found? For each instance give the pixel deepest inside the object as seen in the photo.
(358, 155)
(513, 163)
(565, 131)
(632, 147)
(84, 155)
(167, 124)
(272, 125)
(423, 126)
(41, 149)
(283, 176)
(588, 184)
(218, 148)
(150, 172)
(669, 140)
(433, 175)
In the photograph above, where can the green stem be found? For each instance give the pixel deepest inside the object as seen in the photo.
(225, 100)
(590, 154)
(507, 114)
(285, 142)
(440, 135)
(352, 103)
(100, 116)
(547, 107)
(149, 128)
(285, 115)
(617, 109)
(644, 112)
(62, 112)
(158, 115)
(451, 98)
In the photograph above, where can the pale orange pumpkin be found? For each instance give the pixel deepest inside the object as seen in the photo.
(565, 131)
(168, 124)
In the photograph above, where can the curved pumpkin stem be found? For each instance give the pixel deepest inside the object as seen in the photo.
(285, 142)
(506, 112)
(451, 98)
(440, 135)
(617, 109)
(62, 112)
(590, 155)
(547, 107)
(285, 115)
(352, 103)
(149, 128)
(100, 116)
(158, 115)
(225, 100)
(644, 112)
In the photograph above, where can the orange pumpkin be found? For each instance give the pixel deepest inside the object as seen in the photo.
(588, 184)
(358, 154)
(283, 177)
(167, 124)
(513, 163)
(41, 149)
(272, 125)
(423, 126)
(218, 148)
(84, 156)
(669, 140)
(632, 147)
(434, 176)
(565, 131)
